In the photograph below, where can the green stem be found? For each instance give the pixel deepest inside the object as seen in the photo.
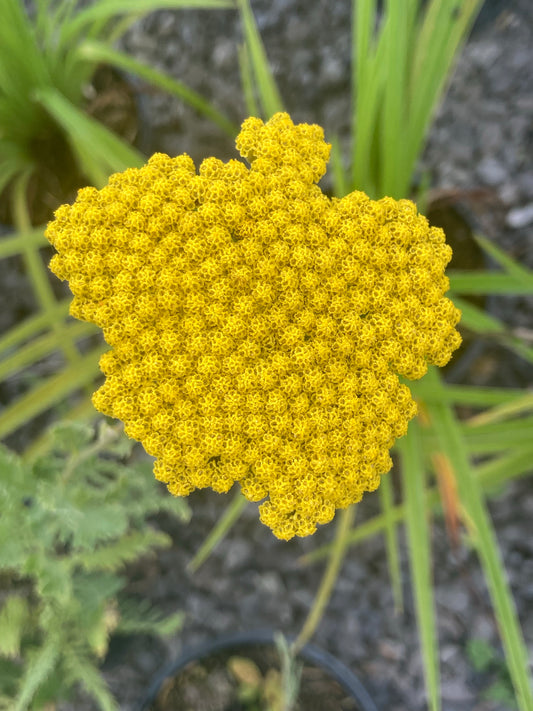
(387, 506)
(36, 268)
(230, 516)
(329, 579)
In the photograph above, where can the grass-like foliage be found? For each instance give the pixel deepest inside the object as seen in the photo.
(70, 520)
(399, 72)
(47, 59)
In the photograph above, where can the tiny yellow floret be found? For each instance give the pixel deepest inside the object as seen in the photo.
(257, 327)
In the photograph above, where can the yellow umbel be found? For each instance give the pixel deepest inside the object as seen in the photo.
(257, 327)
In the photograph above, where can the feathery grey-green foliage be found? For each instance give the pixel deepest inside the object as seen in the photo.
(69, 522)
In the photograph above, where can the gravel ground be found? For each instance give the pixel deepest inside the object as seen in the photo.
(481, 145)
(254, 581)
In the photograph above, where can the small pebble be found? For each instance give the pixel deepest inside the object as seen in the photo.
(520, 217)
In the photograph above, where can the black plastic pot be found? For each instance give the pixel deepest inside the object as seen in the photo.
(239, 642)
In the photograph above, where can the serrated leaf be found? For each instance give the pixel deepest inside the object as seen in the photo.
(97, 523)
(12, 470)
(40, 664)
(93, 588)
(12, 551)
(52, 579)
(99, 631)
(70, 437)
(113, 440)
(128, 548)
(81, 669)
(140, 617)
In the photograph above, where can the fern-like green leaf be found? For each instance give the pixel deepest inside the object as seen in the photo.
(92, 589)
(10, 672)
(53, 578)
(103, 625)
(40, 665)
(11, 472)
(115, 555)
(71, 437)
(70, 519)
(140, 616)
(81, 669)
(98, 523)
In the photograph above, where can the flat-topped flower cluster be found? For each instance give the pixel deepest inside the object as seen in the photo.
(258, 327)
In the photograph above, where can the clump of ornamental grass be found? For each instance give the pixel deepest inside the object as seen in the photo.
(49, 53)
(258, 328)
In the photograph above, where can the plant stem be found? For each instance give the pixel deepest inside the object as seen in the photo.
(231, 514)
(387, 506)
(36, 269)
(328, 580)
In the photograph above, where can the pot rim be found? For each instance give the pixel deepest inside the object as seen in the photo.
(309, 653)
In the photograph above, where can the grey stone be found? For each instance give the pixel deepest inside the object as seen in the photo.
(484, 54)
(453, 599)
(303, 598)
(509, 193)
(455, 690)
(490, 134)
(525, 183)
(269, 584)
(224, 54)
(333, 69)
(491, 171)
(390, 649)
(520, 217)
(237, 554)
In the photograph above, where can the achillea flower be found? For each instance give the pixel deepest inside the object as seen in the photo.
(257, 327)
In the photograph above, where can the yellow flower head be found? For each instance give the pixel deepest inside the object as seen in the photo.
(258, 327)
